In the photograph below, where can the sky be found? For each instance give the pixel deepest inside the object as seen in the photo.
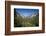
(26, 12)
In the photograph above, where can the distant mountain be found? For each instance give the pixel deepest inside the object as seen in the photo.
(33, 15)
(29, 17)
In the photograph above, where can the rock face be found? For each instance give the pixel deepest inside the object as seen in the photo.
(35, 14)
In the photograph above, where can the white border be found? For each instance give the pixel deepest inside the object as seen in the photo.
(26, 28)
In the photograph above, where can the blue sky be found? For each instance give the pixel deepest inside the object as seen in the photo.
(26, 12)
